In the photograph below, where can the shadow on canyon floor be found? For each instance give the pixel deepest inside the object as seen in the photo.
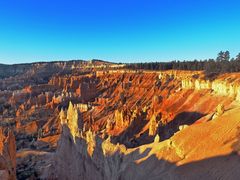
(219, 167)
(127, 137)
(183, 118)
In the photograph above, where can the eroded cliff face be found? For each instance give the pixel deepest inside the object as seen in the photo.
(220, 87)
(81, 86)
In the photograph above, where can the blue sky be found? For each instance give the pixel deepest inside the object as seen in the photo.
(123, 30)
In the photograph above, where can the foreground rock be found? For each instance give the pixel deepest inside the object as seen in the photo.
(7, 156)
(202, 151)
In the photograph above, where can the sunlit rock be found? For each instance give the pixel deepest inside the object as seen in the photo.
(91, 142)
(153, 126)
(157, 139)
(7, 156)
(181, 127)
(119, 118)
(219, 111)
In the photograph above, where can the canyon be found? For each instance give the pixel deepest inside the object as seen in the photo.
(99, 120)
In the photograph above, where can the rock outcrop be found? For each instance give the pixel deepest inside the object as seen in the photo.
(91, 142)
(7, 156)
(72, 120)
(153, 126)
(219, 111)
(119, 118)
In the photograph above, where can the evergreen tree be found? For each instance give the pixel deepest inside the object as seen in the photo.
(220, 56)
(238, 57)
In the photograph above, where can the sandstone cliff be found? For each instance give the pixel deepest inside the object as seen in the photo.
(220, 87)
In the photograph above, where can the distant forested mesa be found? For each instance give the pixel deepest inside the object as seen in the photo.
(222, 64)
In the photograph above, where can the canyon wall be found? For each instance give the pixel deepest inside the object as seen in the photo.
(220, 87)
